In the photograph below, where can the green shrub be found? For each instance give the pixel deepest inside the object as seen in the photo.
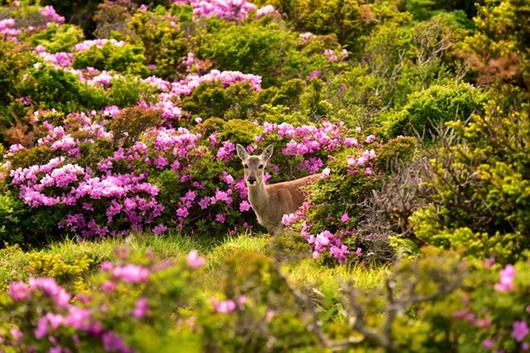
(163, 39)
(396, 153)
(58, 38)
(128, 90)
(132, 122)
(342, 17)
(433, 106)
(480, 197)
(213, 100)
(14, 59)
(11, 211)
(49, 87)
(239, 131)
(265, 50)
(127, 58)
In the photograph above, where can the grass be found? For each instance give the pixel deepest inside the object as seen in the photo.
(16, 264)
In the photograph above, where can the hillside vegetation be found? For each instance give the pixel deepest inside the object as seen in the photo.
(125, 224)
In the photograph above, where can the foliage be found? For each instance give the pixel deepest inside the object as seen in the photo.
(266, 50)
(127, 58)
(498, 49)
(58, 38)
(130, 123)
(163, 39)
(427, 109)
(347, 19)
(213, 100)
(49, 87)
(480, 188)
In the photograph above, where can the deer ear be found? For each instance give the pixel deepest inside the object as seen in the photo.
(267, 154)
(241, 152)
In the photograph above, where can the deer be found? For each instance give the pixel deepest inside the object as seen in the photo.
(271, 202)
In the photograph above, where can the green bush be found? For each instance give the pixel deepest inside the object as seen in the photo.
(49, 87)
(480, 201)
(427, 109)
(11, 211)
(58, 38)
(132, 122)
(213, 100)
(128, 90)
(127, 58)
(397, 153)
(14, 60)
(342, 17)
(266, 50)
(163, 38)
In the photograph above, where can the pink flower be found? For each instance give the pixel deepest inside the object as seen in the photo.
(131, 273)
(370, 138)
(314, 74)
(487, 343)
(194, 260)
(224, 307)
(141, 308)
(183, 212)
(520, 330)
(507, 276)
(19, 291)
(108, 286)
(368, 171)
(288, 219)
(16, 334)
(344, 218)
(42, 328)
(160, 229)
(244, 206)
(325, 173)
(359, 252)
(221, 218)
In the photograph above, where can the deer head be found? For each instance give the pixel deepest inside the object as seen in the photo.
(254, 166)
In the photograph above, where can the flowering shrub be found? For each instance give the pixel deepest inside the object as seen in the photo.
(329, 221)
(482, 306)
(122, 303)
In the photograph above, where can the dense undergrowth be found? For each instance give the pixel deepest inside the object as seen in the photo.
(124, 217)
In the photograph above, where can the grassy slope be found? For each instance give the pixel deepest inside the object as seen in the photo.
(16, 264)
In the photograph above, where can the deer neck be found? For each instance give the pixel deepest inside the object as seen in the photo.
(259, 197)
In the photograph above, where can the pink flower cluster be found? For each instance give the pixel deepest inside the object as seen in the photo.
(332, 56)
(309, 139)
(61, 59)
(322, 241)
(49, 13)
(507, 276)
(100, 43)
(125, 196)
(231, 10)
(8, 29)
(227, 78)
(67, 315)
(229, 306)
(266, 11)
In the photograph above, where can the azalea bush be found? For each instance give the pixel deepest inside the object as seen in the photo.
(430, 303)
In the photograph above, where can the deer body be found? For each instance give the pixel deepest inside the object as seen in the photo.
(271, 202)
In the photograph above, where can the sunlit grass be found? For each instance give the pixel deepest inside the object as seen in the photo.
(305, 272)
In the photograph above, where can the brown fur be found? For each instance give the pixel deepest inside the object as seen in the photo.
(271, 202)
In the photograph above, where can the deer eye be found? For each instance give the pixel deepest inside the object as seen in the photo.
(260, 166)
(245, 165)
